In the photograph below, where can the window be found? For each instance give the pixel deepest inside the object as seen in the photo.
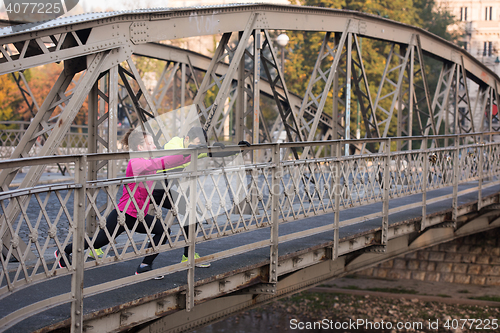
(488, 13)
(463, 13)
(488, 49)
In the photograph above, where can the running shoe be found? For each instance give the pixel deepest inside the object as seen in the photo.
(98, 253)
(196, 256)
(60, 261)
(145, 269)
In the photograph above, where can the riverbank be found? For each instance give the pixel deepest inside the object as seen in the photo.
(374, 305)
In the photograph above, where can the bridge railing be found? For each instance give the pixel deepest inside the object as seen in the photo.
(11, 132)
(221, 201)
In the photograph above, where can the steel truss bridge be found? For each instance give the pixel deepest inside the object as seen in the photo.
(293, 215)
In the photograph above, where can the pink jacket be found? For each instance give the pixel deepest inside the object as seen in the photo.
(141, 167)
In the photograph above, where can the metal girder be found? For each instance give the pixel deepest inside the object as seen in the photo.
(440, 102)
(144, 113)
(465, 119)
(483, 100)
(114, 29)
(399, 69)
(425, 109)
(130, 113)
(248, 94)
(211, 79)
(211, 114)
(276, 79)
(363, 93)
(202, 63)
(167, 78)
(30, 100)
(325, 80)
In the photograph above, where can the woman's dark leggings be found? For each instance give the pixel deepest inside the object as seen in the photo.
(181, 207)
(112, 222)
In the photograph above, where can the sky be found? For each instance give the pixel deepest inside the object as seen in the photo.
(130, 4)
(86, 6)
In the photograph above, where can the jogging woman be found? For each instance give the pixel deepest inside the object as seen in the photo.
(136, 141)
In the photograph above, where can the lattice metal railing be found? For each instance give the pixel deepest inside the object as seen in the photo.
(11, 132)
(219, 201)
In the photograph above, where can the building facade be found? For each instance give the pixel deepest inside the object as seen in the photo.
(480, 20)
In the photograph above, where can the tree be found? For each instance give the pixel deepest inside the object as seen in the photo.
(10, 97)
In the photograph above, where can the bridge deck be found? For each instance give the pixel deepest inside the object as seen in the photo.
(175, 282)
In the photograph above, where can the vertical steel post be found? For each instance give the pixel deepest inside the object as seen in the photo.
(113, 119)
(358, 114)
(335, 106)
(348, 94)
(257, 153)
(455, 111)
(400, 123)
(240, 103)
(183, 85)
(256, 90)
(412, 93)
(78, 245)
(456, 171)
(275, 194)
(490, 115)
(193, 195)
(337, 193)
(425, 177)
(385, 205)
(93, 138)
(174, 89)
(480, 175)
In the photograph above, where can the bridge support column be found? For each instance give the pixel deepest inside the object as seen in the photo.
(456, 170)
(425, 177)
(193, 195)
(78, 246)
(275, 194)
(256, 87)
(337, 193)
(387, 186)
(480, 175)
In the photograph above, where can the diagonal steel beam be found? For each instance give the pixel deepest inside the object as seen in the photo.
(466, 99)
(395, 93)
(482, 100)
(430, 114)
(288, 117)
(369, 110)
(328, 84)
(147, 97)
(33, 107)
(441, 98)
(223, 92)
(159, 95)
(210, 75)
